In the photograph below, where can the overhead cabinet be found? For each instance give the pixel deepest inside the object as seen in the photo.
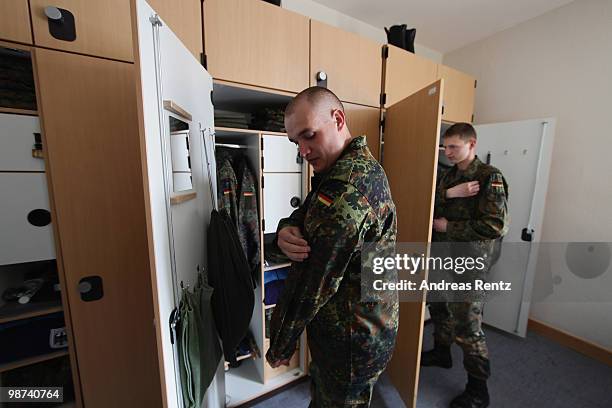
(253, 42)
(15, 21)
(184, 18)
(459, 91)
(405, 73)
(348, 64)
(100, 28)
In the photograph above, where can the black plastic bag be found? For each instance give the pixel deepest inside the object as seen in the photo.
(401, 36)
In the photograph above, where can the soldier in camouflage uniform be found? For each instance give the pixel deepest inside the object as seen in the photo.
(470, 214)
(350, 341)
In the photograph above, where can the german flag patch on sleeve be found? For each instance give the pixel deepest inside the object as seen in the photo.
(325, 200)
(497, 184)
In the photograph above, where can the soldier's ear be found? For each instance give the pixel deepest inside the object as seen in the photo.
(340, 119)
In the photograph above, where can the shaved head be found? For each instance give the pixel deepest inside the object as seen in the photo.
(315, 121)
(319, 98)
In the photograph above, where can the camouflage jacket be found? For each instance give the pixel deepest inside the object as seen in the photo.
(348, 339)
(237, 195)
(479, 219)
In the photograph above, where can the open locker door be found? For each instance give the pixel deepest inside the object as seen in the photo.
(522, 150)
(410, 156)
(176, 119)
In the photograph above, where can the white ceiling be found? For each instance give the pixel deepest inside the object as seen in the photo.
(445, 25)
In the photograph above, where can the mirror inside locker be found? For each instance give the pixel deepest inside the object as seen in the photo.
(182, 179)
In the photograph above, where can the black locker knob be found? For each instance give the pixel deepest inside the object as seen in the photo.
(91, 288)
(295, 202)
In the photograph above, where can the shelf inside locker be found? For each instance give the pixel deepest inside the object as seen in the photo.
(32, 360)
(240, 98)
(27, 112)
(16, 311)
(17, 93)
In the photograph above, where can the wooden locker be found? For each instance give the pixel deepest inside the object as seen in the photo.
(352, 64)
(184, 18)
(406, 73)
(90, 130)
(103, 28)
(412, 129)
(363, 120)
(15, 21)
(459, 92)
(256, 43)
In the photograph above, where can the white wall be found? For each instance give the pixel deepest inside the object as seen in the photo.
(332, 17)
(560, 64)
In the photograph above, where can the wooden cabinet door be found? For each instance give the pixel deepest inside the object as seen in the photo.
(91, 136)
(15, 21)
(253, 42)
(406, 73)
(353, 64)
(459, 90)
(103, 28)
(184, 18)
(363, 120)
(412, 129)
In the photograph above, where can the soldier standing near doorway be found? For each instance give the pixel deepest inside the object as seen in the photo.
(471, 213)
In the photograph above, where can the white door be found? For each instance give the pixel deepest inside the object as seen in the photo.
(175, 93)
(25, 220)
(522, 151)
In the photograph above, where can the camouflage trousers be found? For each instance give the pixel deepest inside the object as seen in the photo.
(461, 322)
(327, 393)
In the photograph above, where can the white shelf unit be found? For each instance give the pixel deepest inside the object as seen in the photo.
(254, 377)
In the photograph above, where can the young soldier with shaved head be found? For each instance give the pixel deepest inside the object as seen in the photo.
(350, 341)
(471, 212)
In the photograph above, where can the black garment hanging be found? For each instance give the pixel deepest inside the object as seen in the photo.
(233, 298)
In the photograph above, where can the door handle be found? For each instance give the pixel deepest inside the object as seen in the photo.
(91, 288)
(61, 23)
(321, 78)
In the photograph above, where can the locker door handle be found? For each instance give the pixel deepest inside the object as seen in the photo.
(54, 13)
(61, 23)
(321, 78)
(295, 202)
(91, 288)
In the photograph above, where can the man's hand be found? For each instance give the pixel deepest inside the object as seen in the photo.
(439, 224)
(468, 189)
(291, 242)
